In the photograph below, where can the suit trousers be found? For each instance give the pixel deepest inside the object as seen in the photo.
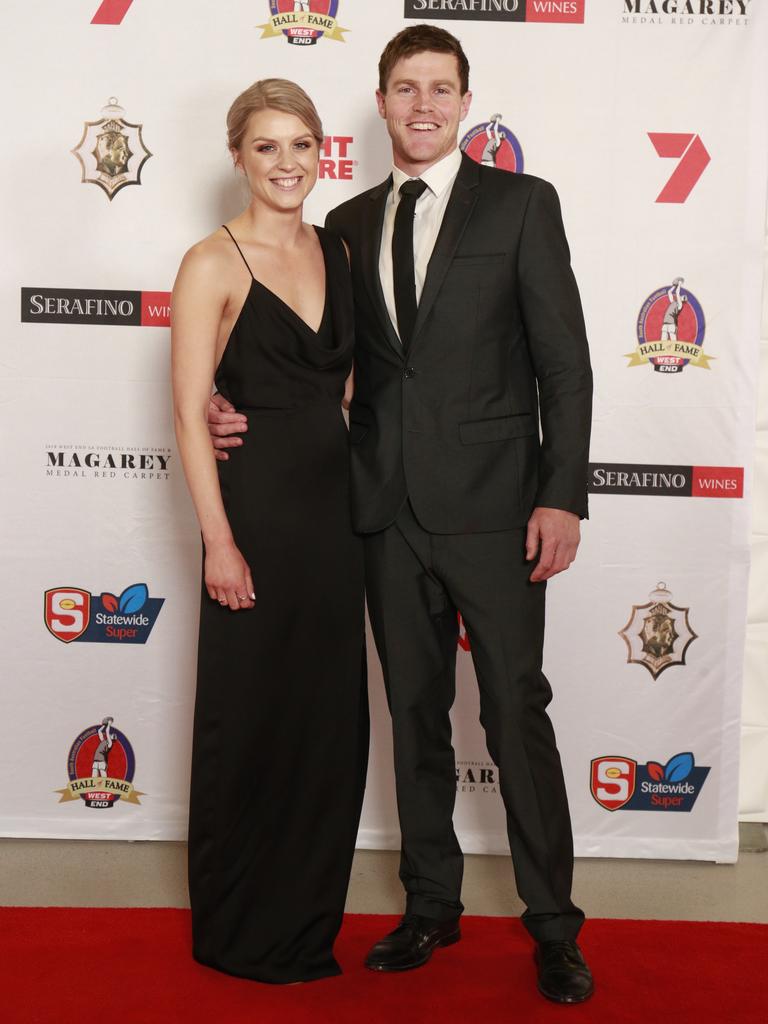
(416, 581)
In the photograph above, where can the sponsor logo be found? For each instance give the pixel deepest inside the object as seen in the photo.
(492, 144)
(658, 633)
(72, 614)
(621, 784)
(477, 777)
(111, 152)
(303, 22)
(714, 13)
(670, 331)
(669, 481)
(693, 158)
(103, 463)
(101, 765)
(95, 306)
(335, 161)
(111, 12)
(497, 10)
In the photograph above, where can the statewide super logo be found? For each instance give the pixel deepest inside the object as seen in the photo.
(303, 22)
(492, 144)
(621, 784)
(670, 331)
(658, 633)
(72, 614)
(111, 151)
(101, 765)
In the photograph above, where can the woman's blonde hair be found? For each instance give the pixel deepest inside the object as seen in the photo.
(271, 94)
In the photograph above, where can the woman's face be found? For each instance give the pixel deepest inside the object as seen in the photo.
(279, 157)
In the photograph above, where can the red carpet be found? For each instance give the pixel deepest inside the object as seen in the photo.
(62, 966)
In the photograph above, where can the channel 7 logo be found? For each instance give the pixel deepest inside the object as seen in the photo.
(693, 161)
(111, 12)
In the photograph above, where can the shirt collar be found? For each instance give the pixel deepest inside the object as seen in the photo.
(438, 177)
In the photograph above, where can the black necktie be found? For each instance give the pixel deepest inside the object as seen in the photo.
(402, 258)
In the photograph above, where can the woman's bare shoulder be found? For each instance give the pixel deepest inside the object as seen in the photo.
(210, 253)
(208, 269)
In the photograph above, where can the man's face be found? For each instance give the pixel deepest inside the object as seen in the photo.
(423, 106)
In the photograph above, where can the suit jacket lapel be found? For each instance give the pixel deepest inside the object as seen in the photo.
(371, 244)
(457, 213)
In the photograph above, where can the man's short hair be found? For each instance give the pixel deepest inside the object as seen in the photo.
(418, 39)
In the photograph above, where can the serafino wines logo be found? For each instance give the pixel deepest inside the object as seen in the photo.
(303, 22)
(101, 765)
(95, 306)
(492, 144)
(111, 12)
(670, 331)
(73, 614)
(666, 481)
(568, 11)
(621, 784)
(693, 161)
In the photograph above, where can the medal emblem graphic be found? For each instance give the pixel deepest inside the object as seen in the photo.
(111, 152)
(492, 144)
(658, 633)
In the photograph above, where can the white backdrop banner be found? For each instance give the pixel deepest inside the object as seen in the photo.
(650, 118)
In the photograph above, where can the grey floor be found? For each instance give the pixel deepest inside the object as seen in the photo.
(38, 872)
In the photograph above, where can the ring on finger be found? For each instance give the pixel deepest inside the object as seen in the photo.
(241, 598)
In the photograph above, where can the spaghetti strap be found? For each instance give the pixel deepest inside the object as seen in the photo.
(245, 261)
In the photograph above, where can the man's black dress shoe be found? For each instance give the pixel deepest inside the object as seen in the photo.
(411, 943)
(563, 975)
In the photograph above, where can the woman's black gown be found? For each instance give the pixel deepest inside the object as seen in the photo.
(281, 715)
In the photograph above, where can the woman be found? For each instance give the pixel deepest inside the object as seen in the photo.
(263, 307)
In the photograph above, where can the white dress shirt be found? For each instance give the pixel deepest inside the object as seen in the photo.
(430, 208)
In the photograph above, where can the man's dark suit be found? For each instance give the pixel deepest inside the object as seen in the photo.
(447, 467)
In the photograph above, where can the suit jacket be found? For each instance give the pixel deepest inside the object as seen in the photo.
(499, 348)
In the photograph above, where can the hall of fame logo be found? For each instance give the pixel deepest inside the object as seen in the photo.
(492, 144)
(111, 152)
(303, 22)
(71, 614)
(619, 783)
(670, 331)
(658, 633)
(100, 766)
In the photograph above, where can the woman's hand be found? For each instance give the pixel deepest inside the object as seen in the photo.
(227, 576)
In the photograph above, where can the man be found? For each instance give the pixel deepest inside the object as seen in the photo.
(469, 328)
(101, 753)
(673, 311)
(490, 153)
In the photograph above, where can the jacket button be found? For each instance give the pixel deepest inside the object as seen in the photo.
(409, 372)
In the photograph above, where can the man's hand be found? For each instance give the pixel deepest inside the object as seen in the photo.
(554, 534)
(224, 424)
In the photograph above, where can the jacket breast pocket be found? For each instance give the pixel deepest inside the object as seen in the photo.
(500, 428)
(479, 260)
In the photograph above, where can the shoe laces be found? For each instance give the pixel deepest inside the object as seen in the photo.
(564, 950)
